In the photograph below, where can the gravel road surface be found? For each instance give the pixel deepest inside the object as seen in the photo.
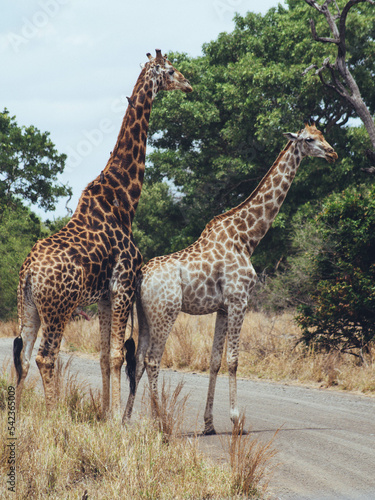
(326, 441)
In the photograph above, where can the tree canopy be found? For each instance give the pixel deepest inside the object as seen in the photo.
(29, 166)
(210, 149)
(249, 88)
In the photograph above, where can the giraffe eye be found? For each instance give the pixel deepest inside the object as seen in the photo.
(171, 71)
(309, 139)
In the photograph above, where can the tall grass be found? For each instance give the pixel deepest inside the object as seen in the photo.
(250, 460)
(74, 454)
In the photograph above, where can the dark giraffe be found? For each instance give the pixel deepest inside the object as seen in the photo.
(93, 258)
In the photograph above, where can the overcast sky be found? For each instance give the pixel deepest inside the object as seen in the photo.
(67, 65)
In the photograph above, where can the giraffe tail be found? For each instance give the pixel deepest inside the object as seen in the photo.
(130, 363)
(18, 341)
(130, 355)
(17, 349)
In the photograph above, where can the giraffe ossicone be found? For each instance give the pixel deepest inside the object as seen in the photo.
(93, 258)
(215, 274)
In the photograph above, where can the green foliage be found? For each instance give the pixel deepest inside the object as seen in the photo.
(55, 225)
(342, 314)
(216, 143)
(157, 222)
(29, 165)
(19, 230)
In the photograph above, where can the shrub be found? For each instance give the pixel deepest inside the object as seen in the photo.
(342, 314)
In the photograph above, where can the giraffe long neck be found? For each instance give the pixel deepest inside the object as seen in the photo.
(261, 208)
(126, 165)
(252, 218)
(116, 191)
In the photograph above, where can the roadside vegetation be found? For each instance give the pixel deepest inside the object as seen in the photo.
(74, 454)
(270, 349)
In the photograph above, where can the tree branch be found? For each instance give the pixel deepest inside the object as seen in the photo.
(321, 38)
(341, 80)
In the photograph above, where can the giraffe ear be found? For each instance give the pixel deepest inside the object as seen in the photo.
(290, 136)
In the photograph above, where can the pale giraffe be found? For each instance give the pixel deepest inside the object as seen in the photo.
(93, 258)
(215, 274)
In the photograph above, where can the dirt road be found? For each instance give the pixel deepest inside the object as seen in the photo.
(326, 445)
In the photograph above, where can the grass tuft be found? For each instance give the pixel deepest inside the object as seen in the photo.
(250, 461)
(170, 411)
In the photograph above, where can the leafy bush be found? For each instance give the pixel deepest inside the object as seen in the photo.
(342, 314)
(19, 230)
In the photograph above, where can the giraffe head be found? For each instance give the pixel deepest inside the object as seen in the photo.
(311, 142)
(164, 75)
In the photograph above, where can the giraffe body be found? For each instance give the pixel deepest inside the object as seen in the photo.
(93, 258)
(215, 274)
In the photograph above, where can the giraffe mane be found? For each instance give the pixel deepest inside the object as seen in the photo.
(233, 210)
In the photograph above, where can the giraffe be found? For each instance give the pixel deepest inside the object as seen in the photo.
(93, 259)
(215, 274)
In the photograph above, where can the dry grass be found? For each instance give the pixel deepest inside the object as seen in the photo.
(250, 460)
(267, 350)
(170, 411)
(73, 454)
(190, 342)
(82, 335)
(8, 329)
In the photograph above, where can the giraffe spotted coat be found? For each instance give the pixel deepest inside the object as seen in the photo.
(215, 274)
(94, 257)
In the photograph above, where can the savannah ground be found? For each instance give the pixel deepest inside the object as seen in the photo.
(80, 452)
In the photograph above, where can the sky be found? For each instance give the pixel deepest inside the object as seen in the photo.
(68, 65)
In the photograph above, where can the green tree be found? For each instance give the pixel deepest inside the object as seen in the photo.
(249, 87)
(157, 221)
(339, 74)
(342, 314)
(30, 165)
(19, 230)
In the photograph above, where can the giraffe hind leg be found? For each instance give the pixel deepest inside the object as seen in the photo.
(139, 361)
(23, 346)
(221, 326)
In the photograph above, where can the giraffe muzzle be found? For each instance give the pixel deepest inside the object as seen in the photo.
(331, 156)
(186, 86)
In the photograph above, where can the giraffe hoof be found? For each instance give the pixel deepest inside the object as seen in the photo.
(209, 432)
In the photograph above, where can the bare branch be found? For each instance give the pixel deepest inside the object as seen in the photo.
(368, 170)
(312, 66)
(321, 38)
(314, 4)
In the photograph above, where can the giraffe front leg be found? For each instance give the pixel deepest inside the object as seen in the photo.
(215, 363)
(235, 320)
(104, 309)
